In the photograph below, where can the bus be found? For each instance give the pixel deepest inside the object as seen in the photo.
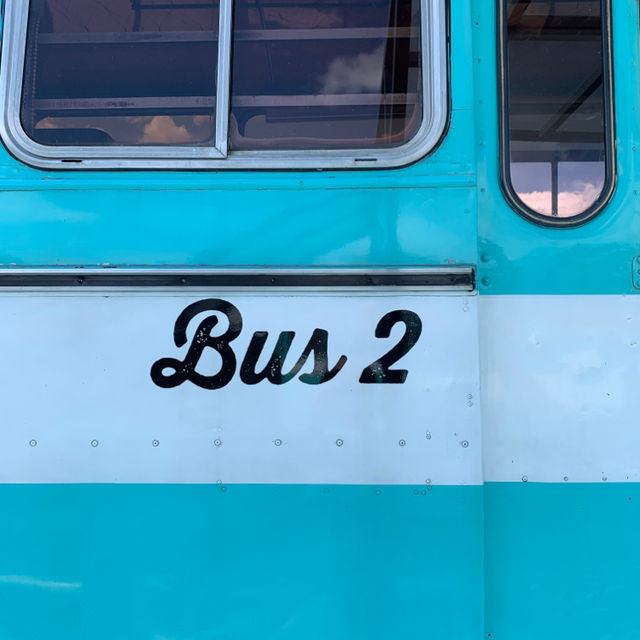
(319, 319)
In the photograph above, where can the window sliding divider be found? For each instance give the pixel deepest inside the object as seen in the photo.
(223, 82)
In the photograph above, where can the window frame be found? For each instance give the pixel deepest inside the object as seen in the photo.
(435, 112)
(506, 184)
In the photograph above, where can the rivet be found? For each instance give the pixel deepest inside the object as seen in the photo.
(486, 282)
(277, 442)
(525, 479)
(464, 444)
(604, 478)
(223, 488)
(33, 443)
(378, 492)
(469, 403)
(566, 478)
(424, 492)
(339, 442)
(416, 492)
(428, 436)
(427, 481)
(94, 443)
(155, 443)
(217, 442)
(402, 443)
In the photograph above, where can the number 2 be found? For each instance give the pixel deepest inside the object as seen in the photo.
(378, 371)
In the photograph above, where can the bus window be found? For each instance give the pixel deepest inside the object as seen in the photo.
(119, 73)
(151, 83)
(557, 159)
(320, 75)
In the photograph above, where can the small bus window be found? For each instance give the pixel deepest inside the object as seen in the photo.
(557, 159)
(204, 83)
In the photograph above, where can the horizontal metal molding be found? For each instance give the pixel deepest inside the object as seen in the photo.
(429, 278)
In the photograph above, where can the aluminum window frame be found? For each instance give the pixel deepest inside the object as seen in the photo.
(506, 184)
(435, 113)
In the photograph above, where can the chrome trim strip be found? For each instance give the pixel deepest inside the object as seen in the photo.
(223, 81)
(458, 278)
(435, 113)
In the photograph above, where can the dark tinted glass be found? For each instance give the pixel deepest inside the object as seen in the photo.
(325, 74)
(556, 104)
(133, 72)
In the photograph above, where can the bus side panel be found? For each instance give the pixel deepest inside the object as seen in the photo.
(188, 561)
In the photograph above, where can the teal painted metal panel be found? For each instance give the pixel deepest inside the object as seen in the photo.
(240, 562)
(562, 561)
(234, 227)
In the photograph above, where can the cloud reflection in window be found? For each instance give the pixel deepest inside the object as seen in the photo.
(578, 186)
(361, 73)
(134, 130)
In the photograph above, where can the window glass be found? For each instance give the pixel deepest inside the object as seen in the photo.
(120, 72)
(556, 115)
(325, 74)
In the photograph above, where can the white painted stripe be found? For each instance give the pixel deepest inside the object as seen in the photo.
(79, 404)
(561, 388)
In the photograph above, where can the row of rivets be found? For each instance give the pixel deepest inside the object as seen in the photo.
(277, 442)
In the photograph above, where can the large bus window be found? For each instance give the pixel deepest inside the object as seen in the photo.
(256, 83)
(557, 159)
